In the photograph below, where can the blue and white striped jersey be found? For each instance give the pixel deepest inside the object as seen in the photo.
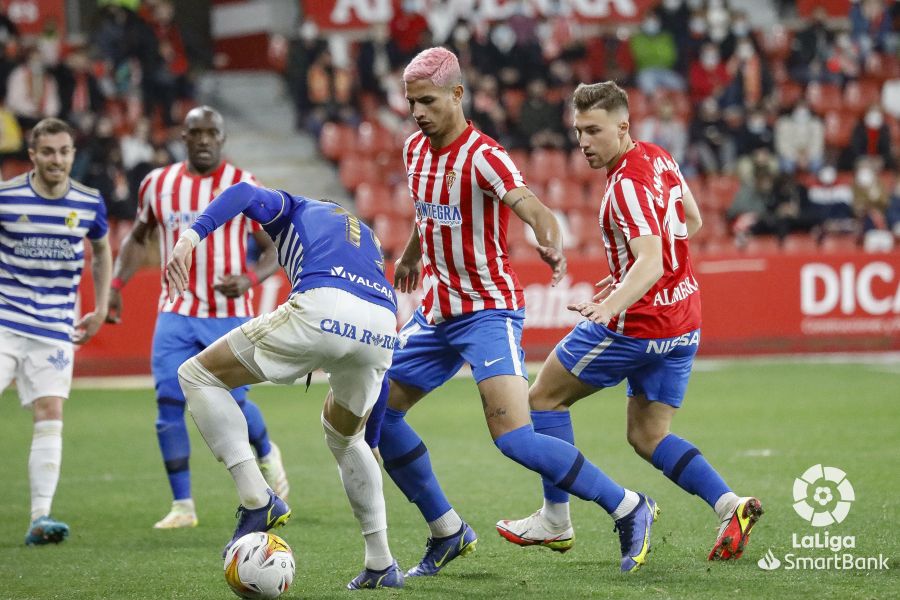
(42, 255)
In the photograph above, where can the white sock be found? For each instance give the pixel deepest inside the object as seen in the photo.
(556, 514)
(361, 477)
(251, 485)
(224, 427)
(628, 504)
(43, 465)
(184, 505)
(445, 525)
(725, 504)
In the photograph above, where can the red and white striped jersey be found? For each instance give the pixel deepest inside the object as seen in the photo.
(462, 223)
(175, 197)
(644, 197)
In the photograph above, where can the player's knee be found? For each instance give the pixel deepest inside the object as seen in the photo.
(540, 399)
(192, 375)
(337, 441)
(643, 441)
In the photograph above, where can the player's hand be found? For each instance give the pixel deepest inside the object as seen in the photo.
(606, 287)
(599, 313)
(87, 327)
(233, 286)
(557, 261)
(406, 276)
(114, 307)
(179, 267)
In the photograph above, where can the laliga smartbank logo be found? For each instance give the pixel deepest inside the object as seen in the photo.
(823, 497)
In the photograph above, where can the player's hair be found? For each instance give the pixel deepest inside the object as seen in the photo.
(49, 126)
(438, 65)
(606, 95)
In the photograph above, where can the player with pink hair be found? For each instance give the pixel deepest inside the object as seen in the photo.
(465, 186)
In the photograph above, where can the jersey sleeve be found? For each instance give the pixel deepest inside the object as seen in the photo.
(145, 203)
(631, 209)
(250, 178)
(100, 226)
(259, 204)
(496, 172)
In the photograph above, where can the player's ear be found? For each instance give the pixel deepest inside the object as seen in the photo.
(457, 93)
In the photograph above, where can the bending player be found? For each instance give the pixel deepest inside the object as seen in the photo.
(344, 325)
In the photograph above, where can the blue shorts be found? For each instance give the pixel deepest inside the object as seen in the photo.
(177, 338)
(656, 368)
(426, 355)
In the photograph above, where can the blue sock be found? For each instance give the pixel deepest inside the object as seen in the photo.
(406, 461)
(561, 463)
(681, 462)
(175, 445)
(558, 424)
(373, 424)
(256, 428)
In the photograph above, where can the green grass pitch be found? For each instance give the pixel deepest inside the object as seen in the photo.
(760, 424)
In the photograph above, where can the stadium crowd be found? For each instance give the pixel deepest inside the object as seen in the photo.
(124, 88)
(788, 136)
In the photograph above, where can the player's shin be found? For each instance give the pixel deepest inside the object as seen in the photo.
(224, 428)
(361, 477)
(43, 465)
(557, 424)
(683, 463)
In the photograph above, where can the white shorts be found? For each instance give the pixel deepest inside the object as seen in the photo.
(41, 367)
(349, 338)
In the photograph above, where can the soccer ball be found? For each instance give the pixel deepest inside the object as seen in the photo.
(259, 565)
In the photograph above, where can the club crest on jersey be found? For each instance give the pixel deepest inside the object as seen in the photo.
(72, 220)
(451, 179)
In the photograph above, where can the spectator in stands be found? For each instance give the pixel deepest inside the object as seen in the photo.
(754, 133)
(674, 17)
(871, 138)
(708, 76)
(9, 43)
(811, 49)
(870, 198)
(893, 212)
(79, 90)
(409, 33)
(751, 81)
(540, 121)
(31, 91)
(872, 26)
(303, 50)
(711, 148)
(172, 48)
(770, 204)
(800, 140)
(330, 92)
(136, 147)
(11, 138)
(665, 129)
(655, 56)
(373, 65)
(697, 37)
(890, 97)
(832, 200)
(845, 62)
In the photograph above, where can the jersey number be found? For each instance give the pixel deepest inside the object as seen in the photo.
(354, 233)
(674, 223)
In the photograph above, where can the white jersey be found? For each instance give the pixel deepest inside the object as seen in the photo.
(42, 255)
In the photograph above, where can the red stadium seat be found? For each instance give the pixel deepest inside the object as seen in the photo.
(859, 95)
(800, 243)
(838, 128)
(564, 194)
(638, 106)
(335, 141)
(545, 164)
(392, 233)
(372, 199)
(579, 168)
(839, 244)
(596, 190)
(823, 97)
(720, 191)
(402, 203)
(763, 245)
(372, 139)
(789, 93)
(356, 170)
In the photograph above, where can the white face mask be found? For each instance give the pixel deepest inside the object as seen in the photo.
(650, 26)
(740, 28)
(801, 114)
(672, 4)
(745, 51)
(874, 119)
(697, 25)
(709, 59)
(461, 35)
(756, 124)
(504, 38)
(828, 175)
(865, 176)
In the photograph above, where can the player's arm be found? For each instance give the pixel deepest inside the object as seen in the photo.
(101, 269)
(691, 213)
(546, 229)
(131, 256)
(234, 286)
(408, 268)
(260, 204)
(643, 274)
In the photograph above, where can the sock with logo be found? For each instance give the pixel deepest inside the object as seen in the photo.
(406, 460)
(256, 428)
(561, 463)
(558, 424)
(172, 435)
(43, 465)
(683, 463)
